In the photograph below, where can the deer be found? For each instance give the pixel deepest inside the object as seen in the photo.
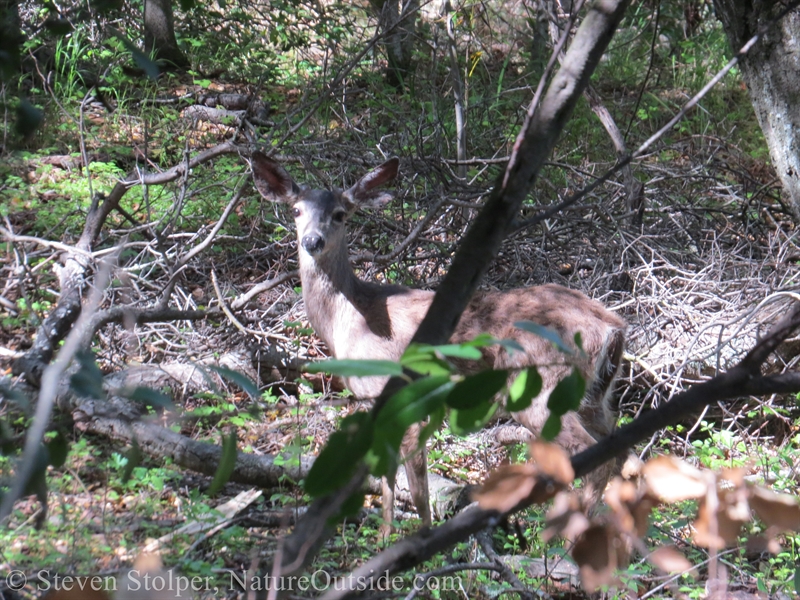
(360, 319)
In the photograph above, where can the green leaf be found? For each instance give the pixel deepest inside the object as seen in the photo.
(241, 380)
(436, 420)
(414, 402)
(134, 456)
(477, 389)
(88, 380)
(350, 508)
(339, 458)
(551, 428)
(57, 450)
(424, 360)
(140, 58)
(465, 351)
(187, 5)
(150, 397)
(428, 366)
(525, 388)
(384, 454)
(546, 333)
(28, 118)
(227, 462)
(356, 368)
(567, 394)
(470, 420)
(578, 339)
(797, 581)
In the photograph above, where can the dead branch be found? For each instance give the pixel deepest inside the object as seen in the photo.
(108, 418)
(131, 315)
(77, 265)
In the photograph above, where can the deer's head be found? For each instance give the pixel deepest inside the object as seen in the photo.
(321, 215)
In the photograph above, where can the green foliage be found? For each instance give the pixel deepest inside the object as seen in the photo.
(356, 368)
(526, 386)
(227, 463)
(88, 380)
(565, 397)
(470, 399)
(338, 461)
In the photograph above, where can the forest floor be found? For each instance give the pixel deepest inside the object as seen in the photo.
(711, 266)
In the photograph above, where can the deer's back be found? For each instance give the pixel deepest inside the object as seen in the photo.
(389, 317)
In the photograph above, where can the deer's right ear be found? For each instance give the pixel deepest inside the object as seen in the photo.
(363, 193)
(271, 179)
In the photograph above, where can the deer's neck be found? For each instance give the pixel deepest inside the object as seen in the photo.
(330, 288)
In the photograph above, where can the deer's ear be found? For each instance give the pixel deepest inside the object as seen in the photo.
(363, 193)
(272, 181)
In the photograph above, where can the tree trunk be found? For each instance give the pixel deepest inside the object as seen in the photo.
(10, 38)
(159, 34)
(771, 71)
(397, 20)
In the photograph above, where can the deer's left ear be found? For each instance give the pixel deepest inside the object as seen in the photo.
(364, 194)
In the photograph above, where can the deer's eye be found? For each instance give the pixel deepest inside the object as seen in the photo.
(338, 216)
(296, 212)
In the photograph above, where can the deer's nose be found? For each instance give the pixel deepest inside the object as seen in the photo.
(313, 243)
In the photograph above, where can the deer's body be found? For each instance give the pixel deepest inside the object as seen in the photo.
(363, 320)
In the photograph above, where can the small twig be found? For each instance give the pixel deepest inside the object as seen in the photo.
(13, 237)
(264, 286)
(212, 234)
(231, 317)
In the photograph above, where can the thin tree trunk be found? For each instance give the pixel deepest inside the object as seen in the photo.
(159, 33)
(771, 71)
(11, 38)
(397, 19)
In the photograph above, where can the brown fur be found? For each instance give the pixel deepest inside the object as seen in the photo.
(359, 319)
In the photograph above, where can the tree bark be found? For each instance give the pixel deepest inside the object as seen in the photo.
(771, 71)
(159, 33)
(397, 19)
(11, 38)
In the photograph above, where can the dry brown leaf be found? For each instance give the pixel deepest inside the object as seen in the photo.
(619, 494)
(776, 510)
(552, 461)
(632, 467)
(671, 560)
(721, 527)
(631, 505)
(506, 487)
(566, 518)
(672, 480)
(598, 552)
(734, 475)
